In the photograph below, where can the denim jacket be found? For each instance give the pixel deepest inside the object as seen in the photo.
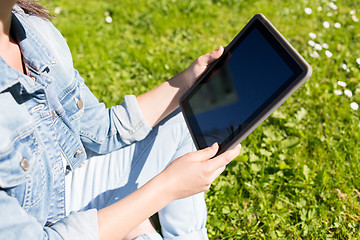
(45, 115)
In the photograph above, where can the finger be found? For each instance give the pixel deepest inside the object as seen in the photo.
(224, 158)
(207, 153)
(208, 58)
(216, 54)
(217, 173)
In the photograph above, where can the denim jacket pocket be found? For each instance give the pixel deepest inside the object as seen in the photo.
(21, 173)
(73, 102)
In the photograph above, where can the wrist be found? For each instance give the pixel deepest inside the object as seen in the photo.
(165, 187)
(182, 81)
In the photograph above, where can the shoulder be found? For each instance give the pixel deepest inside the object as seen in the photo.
(44, 34)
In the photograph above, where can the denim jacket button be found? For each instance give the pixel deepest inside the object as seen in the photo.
(24, 163)
(52, 115)
(33, 78)
(80, 104)
(78, 153)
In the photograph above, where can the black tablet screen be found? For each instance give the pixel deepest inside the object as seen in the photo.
(248, 78)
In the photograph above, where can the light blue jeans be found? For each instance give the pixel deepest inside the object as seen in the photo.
(104, 180)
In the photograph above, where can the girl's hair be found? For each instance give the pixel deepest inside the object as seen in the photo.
(33, 8)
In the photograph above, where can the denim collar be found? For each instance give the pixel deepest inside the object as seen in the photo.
(35, 53)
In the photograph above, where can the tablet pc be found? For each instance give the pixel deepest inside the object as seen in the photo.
(257, 72)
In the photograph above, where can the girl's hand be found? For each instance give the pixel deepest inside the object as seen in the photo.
(194, 172)
(185, 176)
(192, 73)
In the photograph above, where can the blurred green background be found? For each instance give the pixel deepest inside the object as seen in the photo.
(298, 174)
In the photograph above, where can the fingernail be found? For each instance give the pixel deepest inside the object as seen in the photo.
(215, 146)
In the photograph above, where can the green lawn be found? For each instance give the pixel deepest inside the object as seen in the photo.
(298, 174)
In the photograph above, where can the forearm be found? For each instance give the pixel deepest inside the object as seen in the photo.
(117, 220)
(185, 176)
(162, 100)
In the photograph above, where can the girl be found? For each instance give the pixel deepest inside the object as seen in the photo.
(72, 169)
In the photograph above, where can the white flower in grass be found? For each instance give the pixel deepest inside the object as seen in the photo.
(328, 53)
(333, 6)
(318, 47)
(326, 24)
(311, 43)
(352, 12)
(314, 54)
(57, 10)
(358, 61)
(329, 14)
(325, 45)
(345, 67)
(354, 18)
(337, 25)
(338, 92)
(108, 19)
(312, 35)
(248, 184)
(308, 11)
(348, 93)
(341, 83)
(354, 106)
(319, 8)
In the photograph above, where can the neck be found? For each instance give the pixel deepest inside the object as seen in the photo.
(5, 20)
(9, 49)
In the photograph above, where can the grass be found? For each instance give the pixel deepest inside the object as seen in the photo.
(298, 174)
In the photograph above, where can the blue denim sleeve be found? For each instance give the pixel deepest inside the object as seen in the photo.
(16, 223)
(78, 225)
(104, 130)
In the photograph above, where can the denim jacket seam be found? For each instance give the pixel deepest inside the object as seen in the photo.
(41, 194)
(42, 117)
(67, 91)
(18, 135)
(78, 115)
(91, 137)
(128, 133)
(135, 129)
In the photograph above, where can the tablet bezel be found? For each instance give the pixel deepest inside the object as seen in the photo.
(280, 41)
